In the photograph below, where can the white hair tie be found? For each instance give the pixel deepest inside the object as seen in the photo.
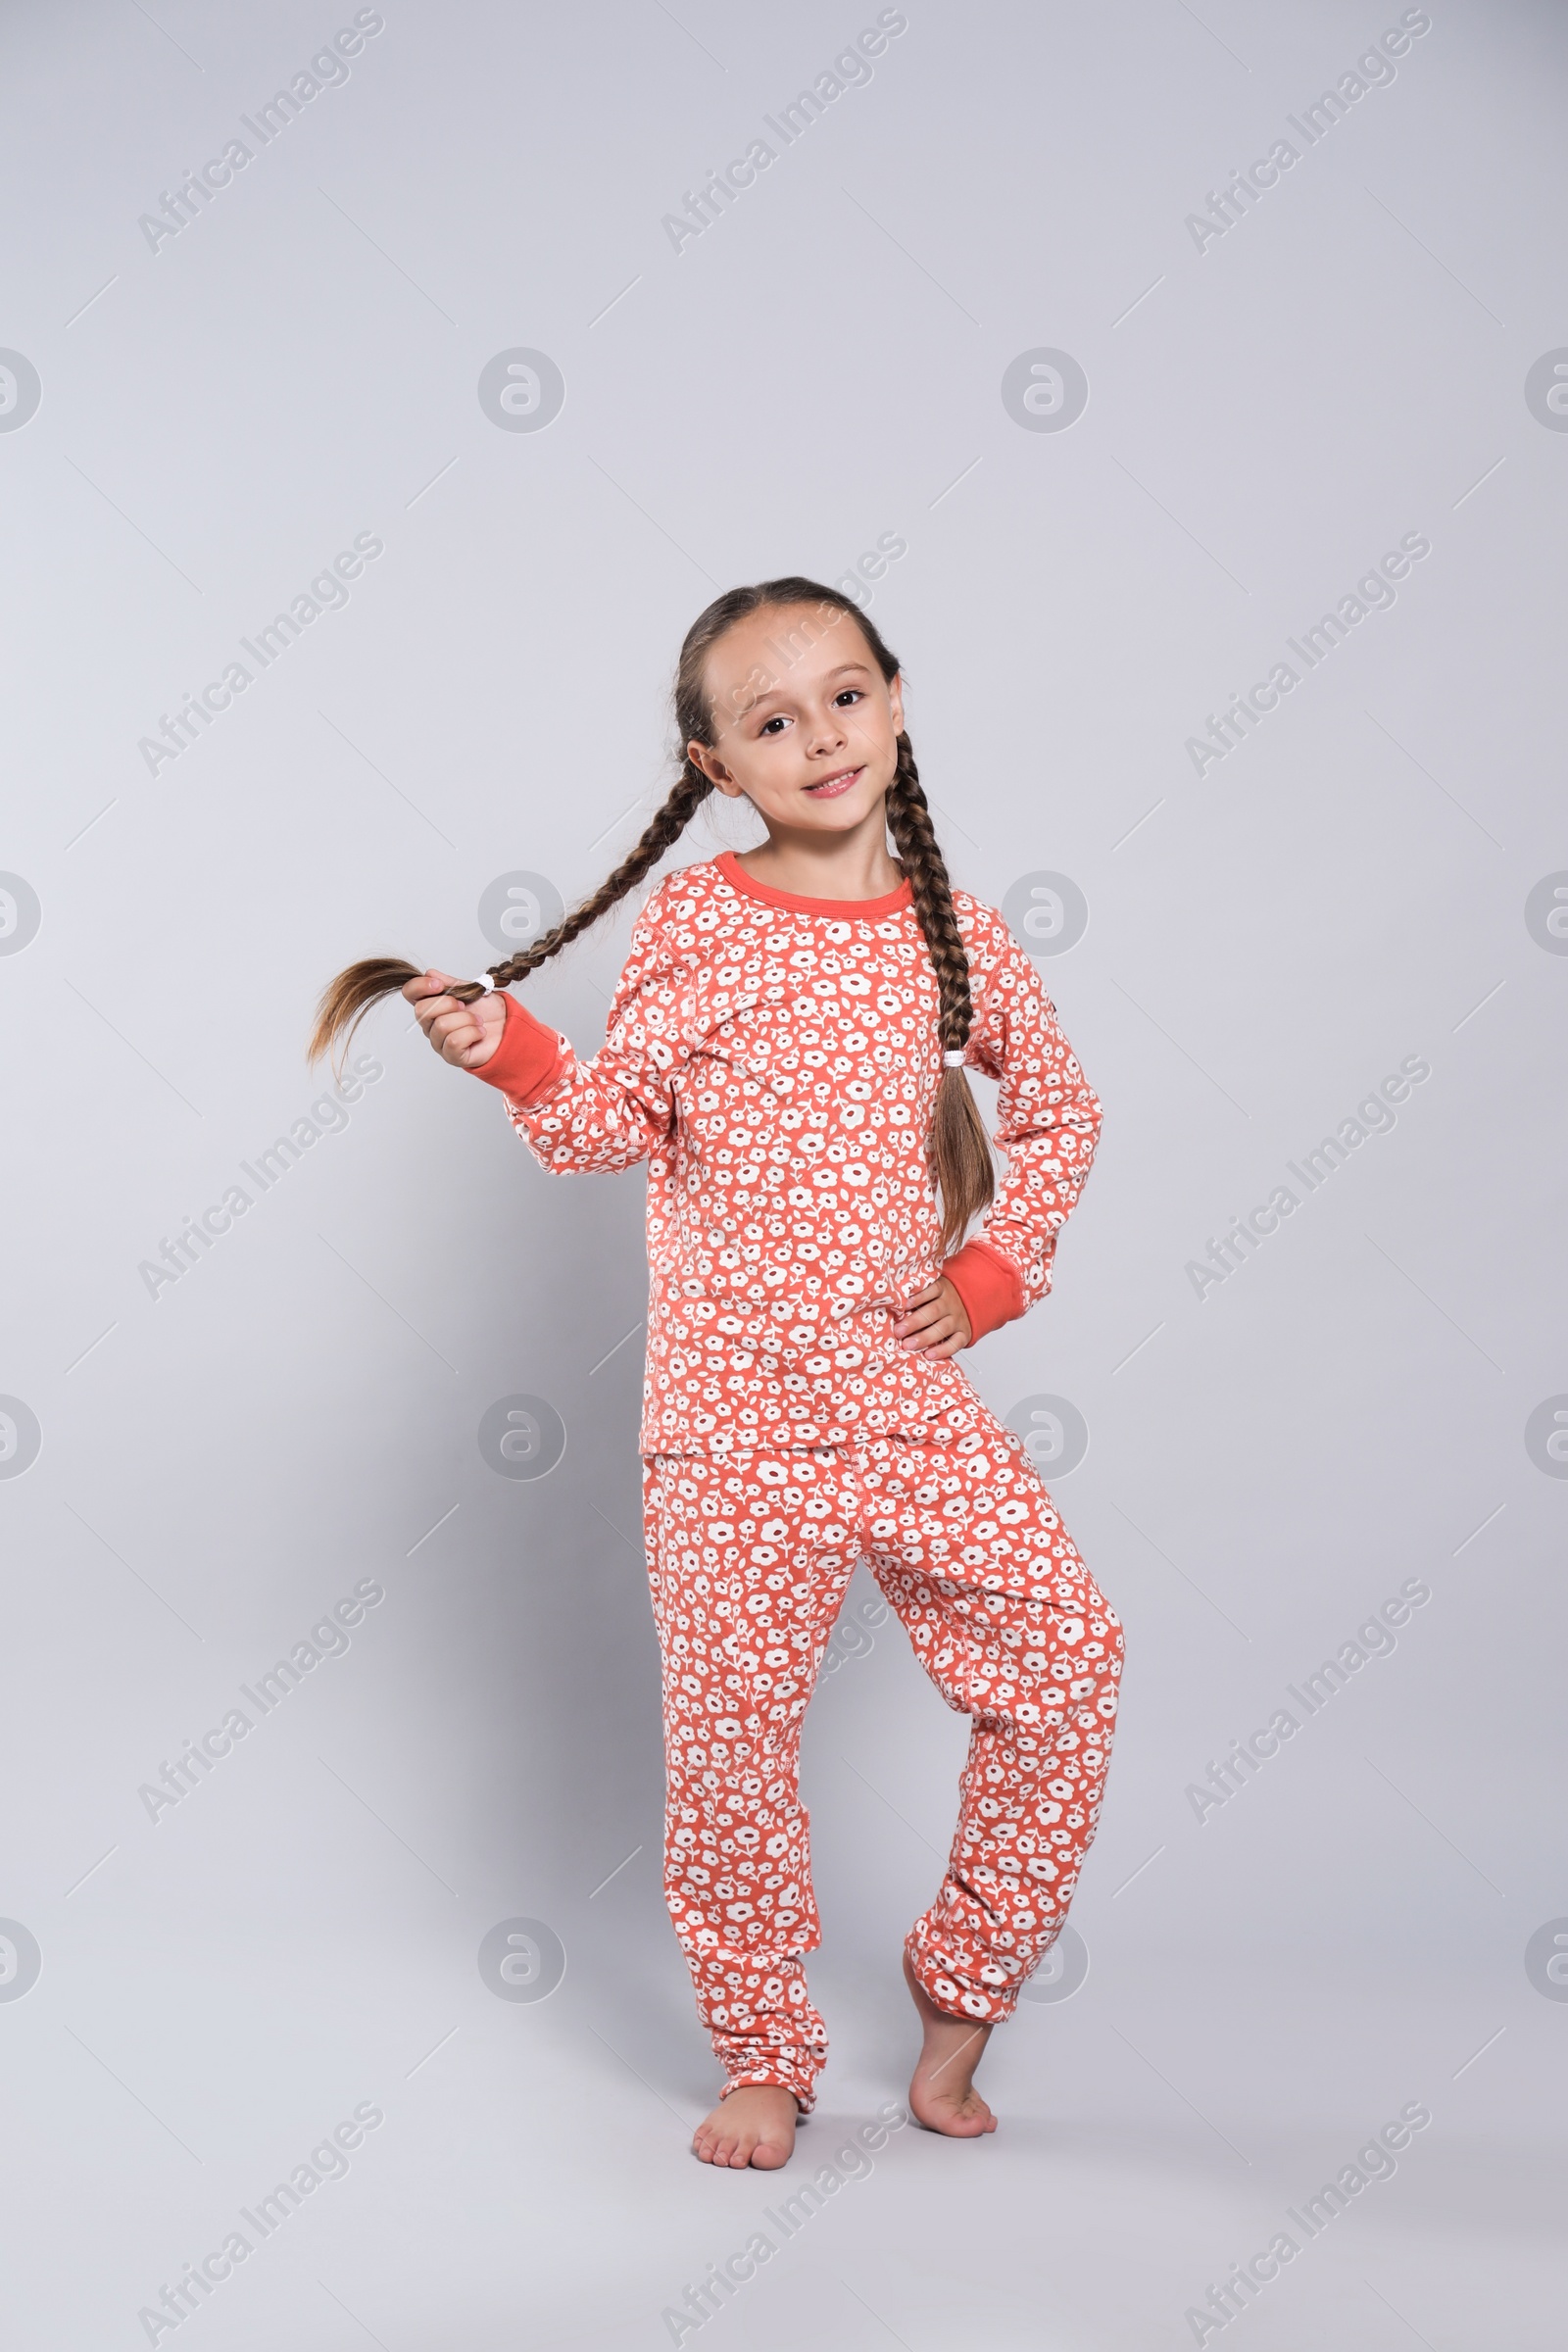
(484, 984)
(954, 1061)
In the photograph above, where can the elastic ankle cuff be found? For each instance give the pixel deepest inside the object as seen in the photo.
(993, 2004)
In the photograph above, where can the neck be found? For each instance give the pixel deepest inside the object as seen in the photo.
(854, 865)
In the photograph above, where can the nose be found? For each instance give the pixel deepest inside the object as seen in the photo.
(827, 733)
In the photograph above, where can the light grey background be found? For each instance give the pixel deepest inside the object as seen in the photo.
(821, 367)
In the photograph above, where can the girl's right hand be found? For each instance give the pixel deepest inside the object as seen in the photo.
(465, 1035)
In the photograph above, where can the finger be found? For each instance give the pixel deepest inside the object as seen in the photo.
(447, 1013)
(455, 1031)
(924, 1340)
(923, 1296)
(427, 984)
(438, 1010)
(915, 1317)
(431, 1006)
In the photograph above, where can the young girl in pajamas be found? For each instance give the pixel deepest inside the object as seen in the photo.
(786, 1049)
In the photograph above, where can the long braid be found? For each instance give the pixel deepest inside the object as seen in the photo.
(956, 1147)
(346, 999)
(666, 828)
(915, 839)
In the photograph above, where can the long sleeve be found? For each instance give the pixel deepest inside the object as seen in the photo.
(1047, 1125)
(612, 1110)
(525, 1061)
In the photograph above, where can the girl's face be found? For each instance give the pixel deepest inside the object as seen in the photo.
(805, 725)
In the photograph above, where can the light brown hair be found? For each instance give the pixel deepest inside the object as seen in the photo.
(958, 1152)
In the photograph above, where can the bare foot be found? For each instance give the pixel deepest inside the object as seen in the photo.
(942, 2093)
(755, 2125)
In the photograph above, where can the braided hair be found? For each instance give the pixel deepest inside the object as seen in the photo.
(958, 1150)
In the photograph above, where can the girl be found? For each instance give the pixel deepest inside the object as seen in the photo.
(786, 1049)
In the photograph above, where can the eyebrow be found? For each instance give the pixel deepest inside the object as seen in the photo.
(844, 669)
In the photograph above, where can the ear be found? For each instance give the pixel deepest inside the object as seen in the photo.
(704, 757)
(896, 698)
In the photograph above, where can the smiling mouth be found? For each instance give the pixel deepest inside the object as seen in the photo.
(831, 786)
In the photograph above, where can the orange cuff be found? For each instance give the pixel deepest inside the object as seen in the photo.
(526, 1059)
(989, 1284)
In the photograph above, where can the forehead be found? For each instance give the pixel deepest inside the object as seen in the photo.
(782, 648)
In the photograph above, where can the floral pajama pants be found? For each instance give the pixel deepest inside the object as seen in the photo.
(749, 1559)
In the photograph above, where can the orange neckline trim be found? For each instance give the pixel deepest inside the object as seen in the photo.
(751, 888)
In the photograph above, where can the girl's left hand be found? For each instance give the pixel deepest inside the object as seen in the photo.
(934, 1322)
